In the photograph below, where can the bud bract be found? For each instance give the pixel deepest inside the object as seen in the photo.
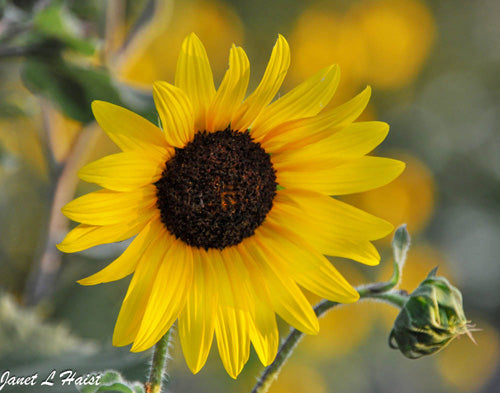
(431, 318)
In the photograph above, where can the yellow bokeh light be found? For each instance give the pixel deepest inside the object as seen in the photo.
(152, 54)
(298, 379)
(62, 132)
(321, 38)
(383, 43)
(19, 138)
(466, 367)
(398, 36)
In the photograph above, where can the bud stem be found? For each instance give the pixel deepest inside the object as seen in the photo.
(395, 298)
(377, 290)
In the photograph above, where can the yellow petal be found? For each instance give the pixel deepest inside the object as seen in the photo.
(359, 250)
(296, 134)
(264, 332)
(176, 113)
(126, 263)
(356, 249)
(343, 115)
(232, 323)
(354, 141)
(231, 91)
(168, 295)
(127, 129)
(139, 290)
(105, 207)
(85, 236)
(233, 342)
(358, 175)
(125, 171)
(309, 209)
(287, 298)
(197, 320)
(327, 233)
(252, 295)
(309, 268)
(267, 89)
(307, 99)
(194, 76)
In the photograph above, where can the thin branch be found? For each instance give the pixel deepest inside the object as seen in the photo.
(16, 51)
(42, 278)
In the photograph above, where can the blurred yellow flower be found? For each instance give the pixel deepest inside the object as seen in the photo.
(380, 42)
(321, 37)
(150, 56)
(19, 137)
(466, 367)
(409, 199)
(398, 36)
(62, 132)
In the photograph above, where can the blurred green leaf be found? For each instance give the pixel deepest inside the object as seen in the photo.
(24, 335)
(70, 86)
(56, 22)
(89, 10)
(113, 381)
(9, 109)
(29, 343)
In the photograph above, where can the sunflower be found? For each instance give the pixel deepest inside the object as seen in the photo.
(229, 202)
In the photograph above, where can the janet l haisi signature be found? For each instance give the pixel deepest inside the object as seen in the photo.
(62, 378)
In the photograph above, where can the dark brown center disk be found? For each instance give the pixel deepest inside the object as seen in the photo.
(216, 190)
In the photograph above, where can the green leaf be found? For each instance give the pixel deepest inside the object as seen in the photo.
(112, 381)
(56, 22)
(70, 86)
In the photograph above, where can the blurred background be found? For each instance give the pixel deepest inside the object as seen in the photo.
(434, 70)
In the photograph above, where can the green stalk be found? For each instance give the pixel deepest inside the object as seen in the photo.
(158, 369)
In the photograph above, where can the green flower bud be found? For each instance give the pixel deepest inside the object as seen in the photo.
(400, 245)
(430, 319)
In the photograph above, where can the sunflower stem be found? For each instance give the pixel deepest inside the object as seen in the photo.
(158, 365)
(377, 290)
